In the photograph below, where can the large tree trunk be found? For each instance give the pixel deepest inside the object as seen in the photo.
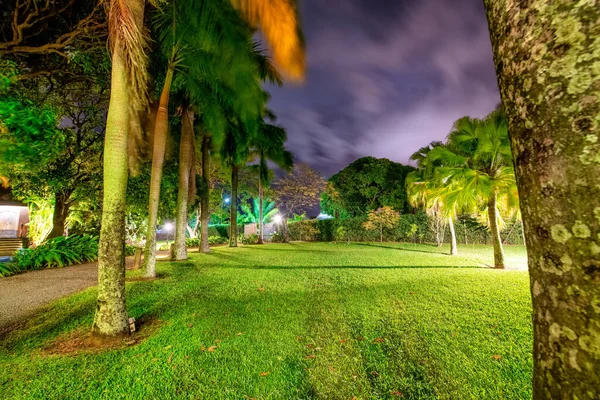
(205, 199)
(495, 231)
(185, 158)
(111, 314)
(453, 248)
(260, 211)
(233, 207)
(161, 128)
(61, 212)
(548, 64)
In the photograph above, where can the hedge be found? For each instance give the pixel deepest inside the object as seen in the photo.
(467, 229)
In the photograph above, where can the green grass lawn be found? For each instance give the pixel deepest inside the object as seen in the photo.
(298, 321)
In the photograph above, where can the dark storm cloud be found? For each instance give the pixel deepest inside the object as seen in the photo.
(385, 78)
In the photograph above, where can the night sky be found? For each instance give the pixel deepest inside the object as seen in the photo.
(384, 78)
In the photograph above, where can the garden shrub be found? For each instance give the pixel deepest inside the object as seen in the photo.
(212, 240)
(250, 239)
(59, 252)
(192, 242)
(277, 237)
(10, 268)
(410, 228)
(130, 249)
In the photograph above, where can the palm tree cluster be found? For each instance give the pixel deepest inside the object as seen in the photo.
(472, 172)
(208, 69)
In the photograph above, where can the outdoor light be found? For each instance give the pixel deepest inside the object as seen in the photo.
(277, 218)
(226, 199)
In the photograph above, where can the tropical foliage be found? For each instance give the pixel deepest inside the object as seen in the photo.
(59, 252)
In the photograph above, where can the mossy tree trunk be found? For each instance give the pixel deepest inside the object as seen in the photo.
(495, 231)
(453, 248)
(61, 212)
(185, 159)
(547, 57)
(233, 242)
(111, 313)
(161, 128)
(205, 199)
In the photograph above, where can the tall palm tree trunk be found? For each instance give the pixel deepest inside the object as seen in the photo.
(260, 211)
(233, 207)
(158, 156)
(453, 248)
(111, 313)
(495, 230)
(545, 57)
(204, 200)
(185, 158)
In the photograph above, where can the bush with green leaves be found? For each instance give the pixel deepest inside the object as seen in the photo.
(411, 227)
(59, 252)
(212, 240)
(9, 268)
(278, 237)
(250, 239)
(192, 242)
(130, 250)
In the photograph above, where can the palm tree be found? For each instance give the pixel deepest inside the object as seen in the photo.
(277, 18)
(426, 188)
(253, 214)
(268, 145)
(477, 167)
(214, 47)
(187, 178)
(127, 100)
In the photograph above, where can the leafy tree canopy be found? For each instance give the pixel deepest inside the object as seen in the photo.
(367, 184)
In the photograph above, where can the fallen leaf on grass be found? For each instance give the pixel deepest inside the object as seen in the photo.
(309, 357)
(310, 346)
(318, 348)
(202, 348)
(211, 348)
(168, 347)
(379, 340)
(264, 373)
(170, 358)
(398, 393)
(411, 292)
(190, 325)
(154, 360)
(239, 334)
(249, 398)
(343, 340)
(261, 289)
(331, 368)
(217, 340)
(360, 338)
(496, 357)
(374, 373)
(299, 337)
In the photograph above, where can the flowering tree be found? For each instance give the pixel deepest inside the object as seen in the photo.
(382, 217)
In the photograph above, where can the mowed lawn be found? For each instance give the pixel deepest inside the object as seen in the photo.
(297, 321)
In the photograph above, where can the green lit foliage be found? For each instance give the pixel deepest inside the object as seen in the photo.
(59, 252)
(250, 215)
(367, 184)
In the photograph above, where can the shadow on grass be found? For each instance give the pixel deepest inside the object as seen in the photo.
(403, 248)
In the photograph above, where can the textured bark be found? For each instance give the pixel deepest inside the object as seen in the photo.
(161, 128)
(204, 200)
(185, 158)
(547, 56)
(111, 313)
(453, 248)
(233, 207)
(260, 211)
(495, 230)
(61, 212)
(137, 258)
